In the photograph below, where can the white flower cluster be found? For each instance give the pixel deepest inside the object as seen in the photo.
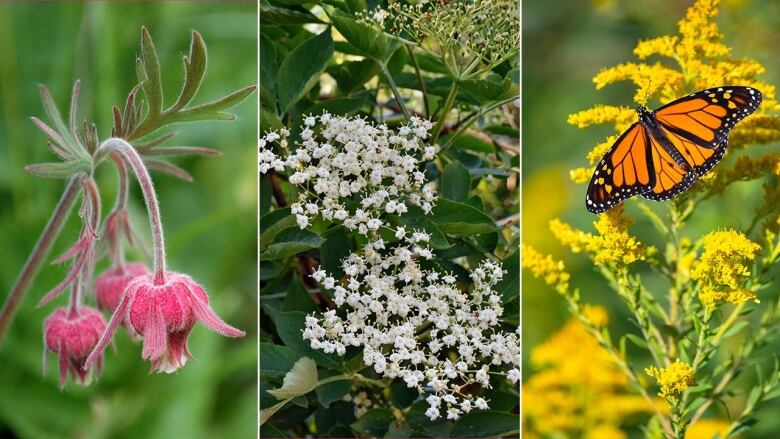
(417, 324)
(353, 171)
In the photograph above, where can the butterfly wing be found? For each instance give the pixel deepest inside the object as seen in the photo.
(705, 118)
(670, 179)
(625, 170)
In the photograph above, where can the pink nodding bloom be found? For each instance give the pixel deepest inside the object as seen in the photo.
(163, 313)
(72, 334)
(111, 284)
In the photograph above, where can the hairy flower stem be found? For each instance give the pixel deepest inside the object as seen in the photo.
(39, 252)
(121, 203)
(152, 206)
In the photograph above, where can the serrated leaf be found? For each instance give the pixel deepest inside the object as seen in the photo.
(276, 360)
(456, 218)
(289, 325)
(487, 90)
(374, 422)
(486, 423)
(276, 16)
(274, 222)
(455, 182)
(302, 67)
(290, 242)
(370, 42)
(300, 380)
(194, 70)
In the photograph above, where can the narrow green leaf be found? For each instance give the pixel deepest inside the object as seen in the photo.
(302, 67)
(182, 150)
(152, 80)
(194, 69)
(455, 182)
(212, 110)
(167, 168)
(59, 169)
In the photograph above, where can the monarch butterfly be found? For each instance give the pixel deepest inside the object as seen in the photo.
(663, 153)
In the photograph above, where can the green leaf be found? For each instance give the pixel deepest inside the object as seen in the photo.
(194, 69)
(339, 106)
(59, 169)
(332, 391)
(212, 110)
(167, 168)
(300, 380)
(275, 16)
(456, 218)
(269, 121)
(152, 83)
(369, 41)
(374, 422)
(333, 250)
(276, 360)
(416, 219)
(269, 66)
(488, 89)
(290, 242)
(423, 426)
(455, 182)
(298, 297)
(274, 222)
(289, 326)
(469, 143)
(486, 423)
(351, 75)
(302, 67)
(509, 287)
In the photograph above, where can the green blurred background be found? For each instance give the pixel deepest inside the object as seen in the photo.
(565, 45)
(210, 223)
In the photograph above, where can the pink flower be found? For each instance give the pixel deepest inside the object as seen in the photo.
(72, 335)
(163, 313)
(111, 284)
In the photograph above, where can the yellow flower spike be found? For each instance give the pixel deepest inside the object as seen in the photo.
(723, 268)
(578, 391)
(570, 237)
(707, 429)
(602, 114)
(663, 46)
(545, 267)
(581, 175)
(672, 380)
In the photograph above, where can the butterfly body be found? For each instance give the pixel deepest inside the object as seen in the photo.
(666, 150)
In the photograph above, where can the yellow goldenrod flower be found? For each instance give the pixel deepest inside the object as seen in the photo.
(581, 175)
(723, 268)
(553, 272)
(578, 390)
(613, 244)
(673, 380)
(707, 429)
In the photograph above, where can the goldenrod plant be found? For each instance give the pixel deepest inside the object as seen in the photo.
(706, 308)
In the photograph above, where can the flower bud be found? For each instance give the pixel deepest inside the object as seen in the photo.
(72, 335)
(111, 284)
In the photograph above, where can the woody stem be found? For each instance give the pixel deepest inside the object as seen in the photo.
(39, 252)
(150, 197)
